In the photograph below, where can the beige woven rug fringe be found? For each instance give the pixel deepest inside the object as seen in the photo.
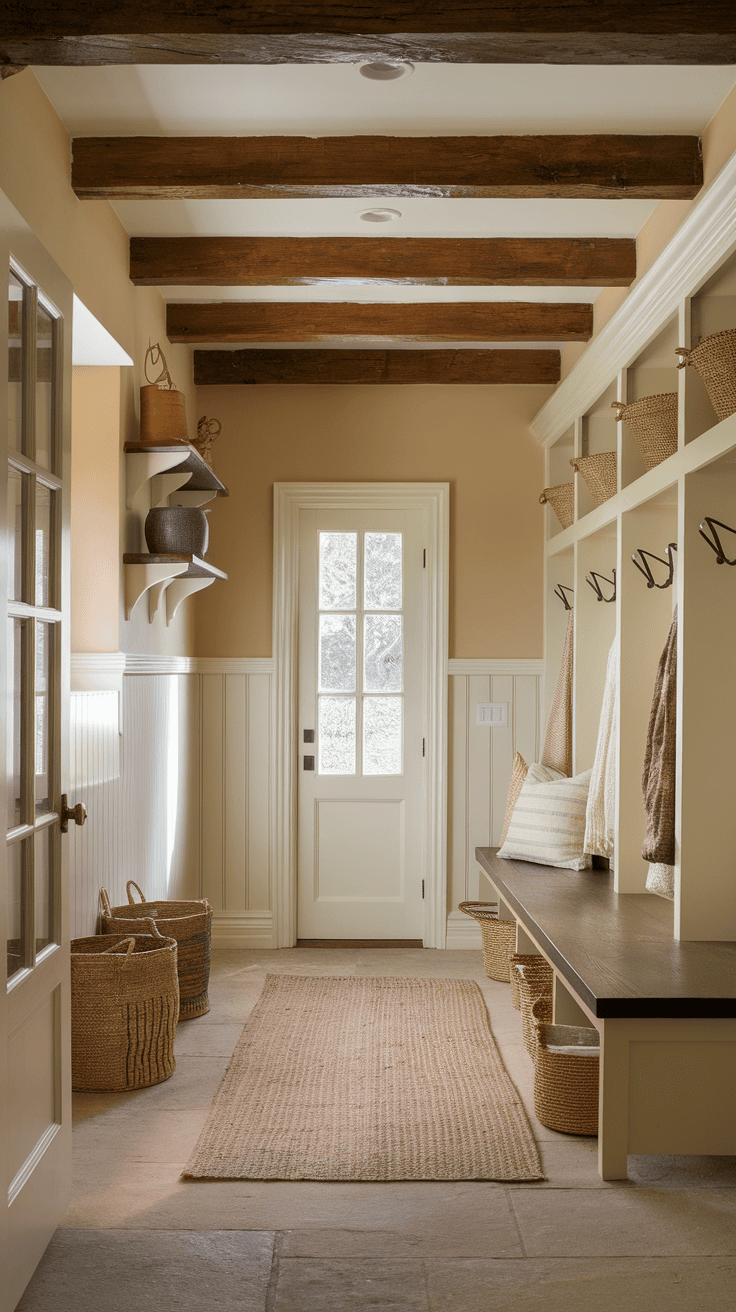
(366, 1079)
(558, 739)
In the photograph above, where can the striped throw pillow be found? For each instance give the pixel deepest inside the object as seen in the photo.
(548, 823)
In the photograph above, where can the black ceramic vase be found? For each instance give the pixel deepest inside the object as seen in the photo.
(177, 530)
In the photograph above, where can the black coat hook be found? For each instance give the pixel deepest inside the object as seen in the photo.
(595, 585)
(715, 545)
(646, 569)
(560, 591)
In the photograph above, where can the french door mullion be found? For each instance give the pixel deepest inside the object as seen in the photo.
(30, 316)
(28, 790)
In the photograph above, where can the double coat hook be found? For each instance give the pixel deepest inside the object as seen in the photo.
(715, 545)
(560, 591)
(645, 568)
(594, 581)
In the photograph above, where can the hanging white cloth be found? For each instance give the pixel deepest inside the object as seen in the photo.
(601, 812)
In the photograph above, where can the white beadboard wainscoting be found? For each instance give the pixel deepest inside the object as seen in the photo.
(183, 800)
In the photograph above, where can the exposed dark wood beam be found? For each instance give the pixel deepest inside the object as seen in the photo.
(300, 31)
(474, 321)
(247, 168)
(433, 261)
(218, 368)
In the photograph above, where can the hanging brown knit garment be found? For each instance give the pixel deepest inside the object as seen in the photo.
(558, 739)
(658, 779)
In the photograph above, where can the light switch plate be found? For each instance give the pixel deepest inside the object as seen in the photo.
(492, 715)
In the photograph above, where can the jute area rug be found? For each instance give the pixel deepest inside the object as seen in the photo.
(366, 1079)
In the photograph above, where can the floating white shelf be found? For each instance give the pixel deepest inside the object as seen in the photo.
(169, 577)
(175, 471)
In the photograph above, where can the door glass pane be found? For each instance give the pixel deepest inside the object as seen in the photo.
(15, 364)
(336, 735)
(16, 897)
(44, 883)
(338, 571)
(16, 482)
(44, 388)
(337, 653)
(382, 717)
(17, 635)
(382, 653)
(43, 715)
(44, 503)
(382, 584)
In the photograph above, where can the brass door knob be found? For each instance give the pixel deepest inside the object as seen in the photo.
(76, 813)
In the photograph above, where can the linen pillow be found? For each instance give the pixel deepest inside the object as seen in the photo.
(520, 771)
(547, 825)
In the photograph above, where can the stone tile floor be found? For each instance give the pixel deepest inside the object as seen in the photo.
(135, 1236)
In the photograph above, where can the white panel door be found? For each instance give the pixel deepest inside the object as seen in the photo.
(35, 1081)
(361, 734)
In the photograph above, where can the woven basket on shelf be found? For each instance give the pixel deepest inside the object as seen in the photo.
(566, 1080)
(190, 923)
(536, 980)
(562, 500)
(715, 360)
(516, 960)
(653, 422)
(499, 938)
(125, 1005)
(599, 472)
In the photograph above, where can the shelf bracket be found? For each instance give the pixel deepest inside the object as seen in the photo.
(144, 465)
(164, 485)
(177, 592)
(139, 578)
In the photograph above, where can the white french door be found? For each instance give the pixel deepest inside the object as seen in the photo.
(362, 737)
(35, 1083)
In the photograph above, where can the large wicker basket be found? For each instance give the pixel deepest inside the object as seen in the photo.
(515, 960)
(125, 1005)
(499, 938)
(562, 500)
(599, 472)
(190, 923)
(715, 360)
(535, 983)
(566, 1074)
(653, 422)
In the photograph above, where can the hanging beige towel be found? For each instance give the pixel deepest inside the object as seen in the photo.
(599, 818)
(658, 779)
(661, 880)
(558, 741)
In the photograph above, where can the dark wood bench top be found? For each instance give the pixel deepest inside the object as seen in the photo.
(616, 951)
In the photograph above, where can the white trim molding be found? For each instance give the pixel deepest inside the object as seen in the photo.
(480, 666)
(289, 500)
(97, 671)
(463, 934)
(142, 663)
(704, 241)
(243, 929)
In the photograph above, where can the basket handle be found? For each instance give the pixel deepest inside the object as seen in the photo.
(105, 900)
(575, 462)
(132, 884)
(115, 946)
(619, 407)
(543, 499)
(154, 930)
(684, 354)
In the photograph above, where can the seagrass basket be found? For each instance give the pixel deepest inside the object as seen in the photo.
(653, 422)
(562, 500)
(125, 1005)
(499, 938)
(536, 980)
(599, 473)
(715, 360)
(516, 960)
(566, 1073)
(190, 923)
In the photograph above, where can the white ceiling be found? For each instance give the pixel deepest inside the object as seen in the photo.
(334, 100)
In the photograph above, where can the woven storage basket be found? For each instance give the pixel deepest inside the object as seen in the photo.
(566, 1081)
(536, 979)
(190, 923)
(562, 501)
(653, 421)
(715, 360)
(125, 1005)
(516, 960)
(599, 472)
(499, 938)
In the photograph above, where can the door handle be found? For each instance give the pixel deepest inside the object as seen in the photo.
(76, 813)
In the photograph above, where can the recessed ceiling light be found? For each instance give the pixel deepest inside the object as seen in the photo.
(380, 216)
(379, 72)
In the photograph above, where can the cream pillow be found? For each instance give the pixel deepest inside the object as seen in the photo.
(520, 771)
(547, 825)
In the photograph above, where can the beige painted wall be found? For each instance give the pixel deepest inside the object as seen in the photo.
(476, 438)
(95, 549)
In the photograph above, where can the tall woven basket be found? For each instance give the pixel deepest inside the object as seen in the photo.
(566, 1074)
(653, 422)
(715, 360)
(499, 938)
(125, 1005)
(599, 472)
(535, 983)
(190, 923)
(562, 500)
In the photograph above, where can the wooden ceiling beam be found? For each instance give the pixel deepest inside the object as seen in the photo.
(253, 168)
(474, 321)
(314, 366)
(403, 261)
(300, 31)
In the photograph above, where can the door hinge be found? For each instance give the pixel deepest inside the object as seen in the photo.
(424, 558)
(422, 889)
(424, 747)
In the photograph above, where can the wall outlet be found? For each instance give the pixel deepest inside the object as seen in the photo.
(492, 715)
